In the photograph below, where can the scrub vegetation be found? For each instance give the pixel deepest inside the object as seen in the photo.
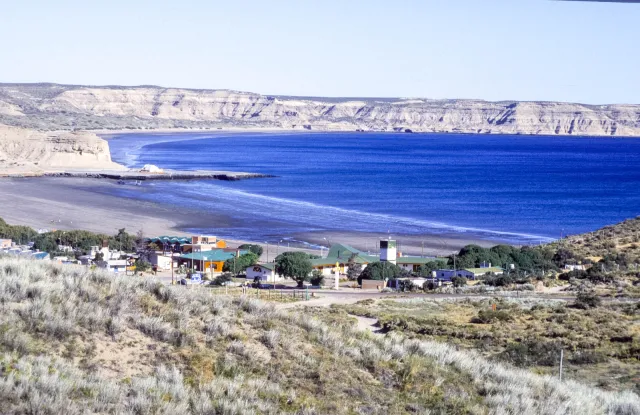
(75, 340)
(600, 341)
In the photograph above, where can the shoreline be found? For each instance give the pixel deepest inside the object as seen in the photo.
(89, 204)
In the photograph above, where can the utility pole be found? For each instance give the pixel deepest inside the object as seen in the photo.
(422, 255)
(173, 282)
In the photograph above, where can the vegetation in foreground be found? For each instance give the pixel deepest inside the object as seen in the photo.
(74, 340)
(600, 341)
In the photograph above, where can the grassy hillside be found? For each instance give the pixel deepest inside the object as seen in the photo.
(601, 344)
(620, 239)
(77, 341)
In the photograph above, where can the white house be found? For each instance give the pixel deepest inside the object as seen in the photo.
(114, 265)
(265, 272)
(468, 273)
(162, 261)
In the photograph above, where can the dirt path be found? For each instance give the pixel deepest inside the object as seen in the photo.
(367, 324)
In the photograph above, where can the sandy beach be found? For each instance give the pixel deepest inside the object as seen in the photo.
(73, 203)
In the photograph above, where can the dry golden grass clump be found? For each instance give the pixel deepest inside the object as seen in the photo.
(77, 341)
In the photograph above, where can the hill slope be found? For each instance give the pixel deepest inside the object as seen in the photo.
(80, 341)
(50, 106)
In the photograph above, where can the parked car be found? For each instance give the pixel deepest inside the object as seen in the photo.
(195, 279)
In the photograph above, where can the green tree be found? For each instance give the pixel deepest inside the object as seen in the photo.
(380, 271)
(354, 269)
(294, 265)
(18, 234)
(142, 265)
(256, 249)
(425, 270)
(241, 263)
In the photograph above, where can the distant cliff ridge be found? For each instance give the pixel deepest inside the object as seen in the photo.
(63, 107)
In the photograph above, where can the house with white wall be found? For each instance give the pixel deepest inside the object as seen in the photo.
(264, 272)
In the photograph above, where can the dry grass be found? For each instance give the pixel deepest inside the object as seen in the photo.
(187, 352)
(601, 345)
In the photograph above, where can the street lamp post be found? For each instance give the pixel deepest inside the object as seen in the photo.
(267, 243)
(204, 258)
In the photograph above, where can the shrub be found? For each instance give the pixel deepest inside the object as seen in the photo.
(587, 299)
(491, 316)
(317, 278)
(459, 281)
(587, 357)
(222, 279)
(532, 353)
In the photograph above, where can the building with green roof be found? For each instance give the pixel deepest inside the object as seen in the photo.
(341, 254)
(209, 260)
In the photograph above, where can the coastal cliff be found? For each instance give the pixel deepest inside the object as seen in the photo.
(25, 151)
(63, 107)
(45, 127)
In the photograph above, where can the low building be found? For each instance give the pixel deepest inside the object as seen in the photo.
(338, 257)
(114, 265)
(5, 243)
(170, 243)
(40, 255)
(209, 261)
(264, 272)
(340, 254)
(161, 261)
(468, 273)
(413, 264)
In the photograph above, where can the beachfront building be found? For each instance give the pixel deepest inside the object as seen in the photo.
(170, 243)
(204, 243)
(413, 264)
(162, 261)
(338, 257)
(340, 254)
(209, 261)
(5, 243)
(263, 272)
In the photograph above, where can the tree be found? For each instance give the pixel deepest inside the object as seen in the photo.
(294, 265)
(142, 265)
(380, 271)
(239, 264)
(354, 269)
(256, 249)
(425, 270)
(99, 257)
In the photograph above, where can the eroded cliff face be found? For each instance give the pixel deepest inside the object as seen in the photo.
(28, 151)
(76, 107)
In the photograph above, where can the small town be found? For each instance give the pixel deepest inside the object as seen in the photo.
(208, 260)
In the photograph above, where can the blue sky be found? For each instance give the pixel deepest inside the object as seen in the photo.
(488, 49)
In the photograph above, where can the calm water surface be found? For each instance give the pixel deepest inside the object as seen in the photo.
(524, 189)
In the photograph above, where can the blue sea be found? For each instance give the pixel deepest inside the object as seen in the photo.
(521, 189)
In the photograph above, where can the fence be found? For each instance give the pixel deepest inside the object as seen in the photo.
(263, 294)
